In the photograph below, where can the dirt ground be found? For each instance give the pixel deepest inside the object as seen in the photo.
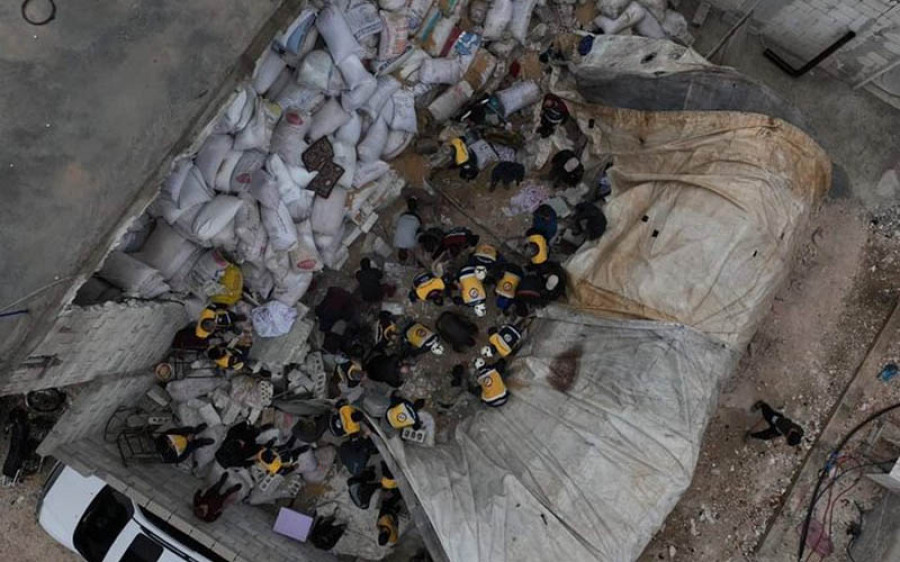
(839, 294)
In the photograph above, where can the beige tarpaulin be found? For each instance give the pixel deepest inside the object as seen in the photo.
(706, 209)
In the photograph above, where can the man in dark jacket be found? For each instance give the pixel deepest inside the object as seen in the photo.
(779, 426)
(369, 278)
(209, 504)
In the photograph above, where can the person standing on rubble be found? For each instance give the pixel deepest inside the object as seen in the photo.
(779, 425)
(370, 286)
(177, 444)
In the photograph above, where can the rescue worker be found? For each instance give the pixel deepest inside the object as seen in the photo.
(428, 287)
(210, 503)
(589, 220)
(369, 278)
(420, 339)
(507, 285)
(503, 341)
(362, 487)
(345, 419)
(566, 169)
(455, 241)
(485, 258)
(554, 113)
(386, 330)
(388, 482)
(464, 159)
(227, 357)
(537, 247)
(529, 293)
(407, 229)
(490, 381)
(177, 444)
(553, 277)
(214, 318)
(269, 461)
(388, 523)
(471, 290)
(355, 454)
(544, 221)
(459, 331)
(385, 367)
(402, 413)
(350, 372)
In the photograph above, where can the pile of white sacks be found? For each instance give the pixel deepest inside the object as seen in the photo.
(648, 18)
(364, 78)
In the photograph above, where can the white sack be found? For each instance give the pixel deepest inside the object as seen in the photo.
(194, 190)
(292, 287)
(650, 27)
(391, 5)
(345, 157)
(386, 86)
(226, 170)
(396, 142)
(416, 12)
(521, 18)
(519, 95)
(362, 17)
(434, 45)
(360, 83)
(328, 214)
(267, 70)
(305, 257)
(301, 97)
(370, 148)
(215, 216)
(295, 36)
(167, 251)
(337, 34)
(451, 101)
(315, 70)
(327, 120)
(258, 279)
(497, 18)
(369, 172)
(628, 18)
(394, 35)
(279, 227)
(248, 228)
(440, 71)
(657, 8)
(180, 170)
(351, 131)
(133, 276)
(211, 155)
(249, 162)
(258, 133)
(273, 319)
(265, 189)
(404, 115)
(612, 8)
(237, 113)
(287, 139)
(296, 200)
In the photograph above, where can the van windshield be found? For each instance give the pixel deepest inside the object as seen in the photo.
(101, 524)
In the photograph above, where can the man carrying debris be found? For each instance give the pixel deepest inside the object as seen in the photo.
(778, 425)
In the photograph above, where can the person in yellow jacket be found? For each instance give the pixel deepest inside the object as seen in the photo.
(428, 287)
(503, 340)
(388, 523)
(402, 413)
(537, 247)
(420, 339)
(508, 285)
(471, 290)
(215, 318)
(345, 419)
(493, 391)
(486, 260)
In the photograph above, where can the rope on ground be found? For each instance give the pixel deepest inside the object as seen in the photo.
(36, 292)
(44, 21)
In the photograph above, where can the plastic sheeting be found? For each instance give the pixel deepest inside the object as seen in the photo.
(594, 448)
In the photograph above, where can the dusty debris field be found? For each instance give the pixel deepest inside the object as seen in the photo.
(840, 291)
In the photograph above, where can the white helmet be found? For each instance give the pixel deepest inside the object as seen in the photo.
(487, 351)
(480, 272)
(479, 362)
(480, 309)
(437, 349)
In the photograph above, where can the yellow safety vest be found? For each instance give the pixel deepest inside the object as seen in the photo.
(493, 389)
(270, 467)
(401, 415)
(470, 288)
(389, 523)
(207, 314)
(388, 483)
(508, 285)
(233, 282)
(426, 288)
(460, 151)
(419, 336)
(543, 250)
(350, 425)
(178, 443)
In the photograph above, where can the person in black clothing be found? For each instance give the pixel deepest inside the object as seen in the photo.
(589, 220)
(177, 444)
(458, 330)
(566, 169)
(778, 425)
(209, 504)
(455, 241)
(239, 447)
(369, 278)
(385, 367)
(338, 304)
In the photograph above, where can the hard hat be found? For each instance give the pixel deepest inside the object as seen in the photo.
(480, 272)
(480, 309)
(437, 349)
(487, 351)
(479, 362)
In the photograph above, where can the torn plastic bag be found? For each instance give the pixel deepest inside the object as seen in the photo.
(327, 120)
(258, 279)
(396, 142)
(336, 33)
(362, 17)
(497, 18)
(358, 81)
(351, 131)
(370, 148)
(211, 155)
(328, 214)
(248, 228)
(267, 70)
(167, 251)
(305, 257)
(273, 319)
(258, 133)
(519, 95)
(386, 86)
(369, 172)
(628, 18)
(287, 139)
(215, 216)
(296, 34)
(315, 70)
(521, 18)
(292, 287)
(279, 227)
(440, 71)
(133, 276)
(194, 190)
(394, 35)
(250, 161)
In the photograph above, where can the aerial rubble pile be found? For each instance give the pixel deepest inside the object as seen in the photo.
(293, 172)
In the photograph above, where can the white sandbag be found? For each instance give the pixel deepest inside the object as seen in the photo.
(277, 263)
(657, 8)
(249, 162)
(296, 34)
(292, 287)
(397, 141)
(258, 133)
(628, 18)
(137, 233)
(215, 216)
(497, 18)
(362, 17)
(369, 172)
(226, 239)
(386, 87)
(328, 214)
(305, 257)
(185, 225)
(333, 253)
(265, 189)
(267, 70)
(287, 139)
(194, 190)
(451, 101)
(226, 170)
(249, 230)
(327, 120)
(204, 278)
(387, 112)
(315, 70)
(650, 27)
(440, 71)
(285, 78)
(288, 191)
(345, 157)
(176, 177)
(301, 97)
(370, 148)
(484, 153)
(394, 35)
(370, 46)
(477, 11)
(301, 176)
(337, 34)
(211, 155)
(436, 41)
(273, 319)
(279, 227)
(133, 276)
(167, 251)
(336, 84)
(360, 83)
(351, 131)
(416, 12)
(521, 18)
(612, 8)
(519, 95)
(676, 27)
(258, 279)
(237, 112)
(391, 5)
